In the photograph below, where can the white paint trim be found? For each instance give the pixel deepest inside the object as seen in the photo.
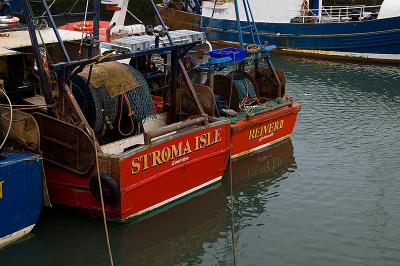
(165, 202)
(390, 57)
(236, 156)
(5, 240)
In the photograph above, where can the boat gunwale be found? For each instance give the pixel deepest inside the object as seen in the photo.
(162, 139)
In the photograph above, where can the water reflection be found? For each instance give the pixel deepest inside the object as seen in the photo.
(183, 234)
(256, 178)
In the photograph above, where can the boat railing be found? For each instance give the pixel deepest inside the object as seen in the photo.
(338, 13)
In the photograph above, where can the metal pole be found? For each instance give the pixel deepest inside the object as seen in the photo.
(53, 25)
(276, 76)
(238, 24)
(44, 82)
(248, 21)
(161, 21)
(320, 10)
(96, 20)
(94, 49)
(255, 25)
(174, 82)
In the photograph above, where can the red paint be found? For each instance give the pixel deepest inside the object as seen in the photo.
(113, 8)
(158, 103)
(103, 25)
(260, 125)
(149, 187)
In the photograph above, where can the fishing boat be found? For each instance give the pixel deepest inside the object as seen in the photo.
(20, 176)
(253, 98)
(113, 29)
(247, 90)
(106, 147)
(20, 194)
(260, 125)
(358, 32)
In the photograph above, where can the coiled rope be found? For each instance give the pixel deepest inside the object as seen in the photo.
(11, 119)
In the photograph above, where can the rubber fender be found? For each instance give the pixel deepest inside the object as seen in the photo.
(110, 187)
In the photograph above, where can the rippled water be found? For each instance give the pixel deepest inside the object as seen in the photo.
(328, 196)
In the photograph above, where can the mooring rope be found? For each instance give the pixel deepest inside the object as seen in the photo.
(102, 199)
(232, 212)
(212, 18)
(44, 13)
(129, 12)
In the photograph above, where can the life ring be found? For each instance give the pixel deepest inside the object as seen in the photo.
(85, 27)
(9, 21)
(111, 194)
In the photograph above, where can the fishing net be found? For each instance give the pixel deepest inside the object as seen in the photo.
(112, 76)
(245, 88)
(140, 98)
(250, 106)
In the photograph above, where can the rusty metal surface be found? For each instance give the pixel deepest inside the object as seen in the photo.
(25, 131)
(66, 145)
(267, 85)
(185, 104)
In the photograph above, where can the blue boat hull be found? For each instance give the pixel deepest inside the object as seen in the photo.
(380, 37)
(20, 194)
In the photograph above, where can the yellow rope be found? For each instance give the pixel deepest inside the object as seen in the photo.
(102, 201)
(232, 213)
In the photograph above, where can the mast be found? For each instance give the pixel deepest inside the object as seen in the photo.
(120, 15)
(319, 10)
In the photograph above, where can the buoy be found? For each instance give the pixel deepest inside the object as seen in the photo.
(9, 21)
(85, 27)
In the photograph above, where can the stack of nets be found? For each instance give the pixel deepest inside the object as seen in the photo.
(99, 98)
(249, 106)
(140, 98)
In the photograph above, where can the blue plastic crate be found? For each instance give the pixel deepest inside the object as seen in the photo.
(236, 54)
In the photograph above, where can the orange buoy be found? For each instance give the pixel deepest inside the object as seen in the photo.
(85, 27)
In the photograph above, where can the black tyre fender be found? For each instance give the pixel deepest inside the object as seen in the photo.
(110, 187)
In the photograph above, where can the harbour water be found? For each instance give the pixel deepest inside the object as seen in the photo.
(328, 196)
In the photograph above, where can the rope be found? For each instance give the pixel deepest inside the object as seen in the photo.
(130, 114)
(44, 13)
(129, 12)
(232, 213)
(11, 118)
(212, 17)
(102, 201)
(83, 27)
(69, 10)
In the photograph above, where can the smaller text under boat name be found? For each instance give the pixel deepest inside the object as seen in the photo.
(265, 131)
(175, 151)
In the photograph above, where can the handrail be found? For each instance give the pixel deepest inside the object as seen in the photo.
(337, 13)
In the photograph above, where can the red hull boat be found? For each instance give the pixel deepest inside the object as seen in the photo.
(147, 178)
(100, 133)
(262, 130)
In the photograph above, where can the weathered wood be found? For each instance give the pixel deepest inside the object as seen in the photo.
(179, 20)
